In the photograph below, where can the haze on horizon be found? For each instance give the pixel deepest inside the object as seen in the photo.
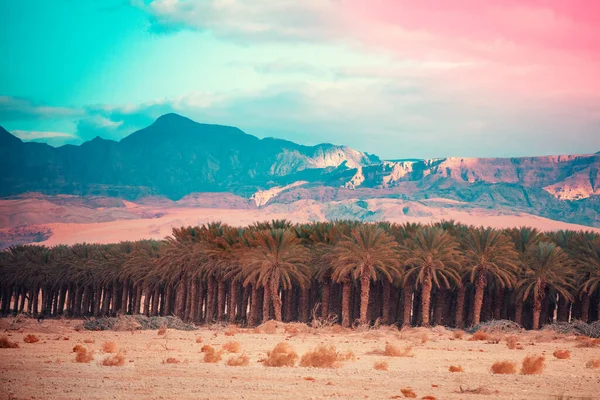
(395, 78)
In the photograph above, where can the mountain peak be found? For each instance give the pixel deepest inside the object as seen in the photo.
(7, 138)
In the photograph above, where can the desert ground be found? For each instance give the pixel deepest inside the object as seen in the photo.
(171, 365)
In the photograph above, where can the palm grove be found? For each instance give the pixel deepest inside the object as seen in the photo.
(404, 274)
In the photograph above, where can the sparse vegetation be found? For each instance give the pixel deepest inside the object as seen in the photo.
(199, 339)
(84, 356)
(207, 348)
(479, 335)
(116, 360)
(533, 365)
(78, 348)
(458, 334)
(162, 331)
(593, 363)
(479, 390)
(504, 367)
(109, 347)
(321, 357)
(456, 368)
(232, 347)
(395, 351)
(31, 339)
(281, 356)
(5, 343)
(238, 361)
(171, 360)
(512, 341)
(88, 341)
(211, 355)
(562, 354)
(381, 365)
(408, 393)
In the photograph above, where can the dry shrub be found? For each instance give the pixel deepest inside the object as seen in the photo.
(428, 397)
(89, 341)
(269, 327)
(394, 351)
(512, 341)
(162, 331)
(117, 360)
(199, 339)
(309, 378)
(232, 347)
(593, 363)
(533, 365)
(494, 339)
(479, 335)
(381, 365)
(238, 361)
(504, 367)
(109, 347)
(408, 392)
(458, 334)
(520, 347)
(79, 348)
(7, 344)
(31, 339)
(171, 360)
(348, 355)
(281, 356)
(296, 328)
(321, 357)
(587, 343)
(456, 368)
(231, 331)
(562, 354)
(84, 356)
(207, 348)
(479, 390)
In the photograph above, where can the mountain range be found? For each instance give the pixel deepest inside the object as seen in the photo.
(178, 160)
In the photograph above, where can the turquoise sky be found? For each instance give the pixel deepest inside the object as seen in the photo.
(75, 69)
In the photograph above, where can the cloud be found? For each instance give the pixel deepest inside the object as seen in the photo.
(19, 109)
(52, 138)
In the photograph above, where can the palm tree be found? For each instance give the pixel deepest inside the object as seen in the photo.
(523, 238)
(548, 269)
(276, 259)
(489, 255)
(432, 258)
(369, 253)
(589, 259)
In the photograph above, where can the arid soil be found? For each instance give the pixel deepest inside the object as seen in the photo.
(47, 369)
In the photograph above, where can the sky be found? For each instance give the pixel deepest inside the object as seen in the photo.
(395, 78)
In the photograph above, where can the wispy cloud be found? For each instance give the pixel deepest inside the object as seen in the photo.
(18, 109)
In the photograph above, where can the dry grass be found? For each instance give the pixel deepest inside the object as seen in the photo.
(171, 360)
(533, 365)
(512, 341)
(162, 331)
(269, 327)
(232, 347)
(562, 354)
(594, 363)
(321, 357)
(480, 390)
(458, 334)
(429, 397)
(79, 348)
(381, 365)
(456, 368)
(5, 343)
(199, 339)
(479, 335)
(117, 360)
(395, 351)
(211, 355)
(588, 343)
(504, 367)
(347, 355)
(281, 356)
(207, 348)
(238, 361)
(109, 347)
(408, 393)
(424, 338)
(232, 331)
(89, 341)
(84, 356)
(31, 339)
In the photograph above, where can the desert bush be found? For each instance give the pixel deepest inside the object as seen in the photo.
(478, 390)
(408, 392)
(512, 341)
(347, 355)
(116, 360)
(593, 363)
(429, 397)
(587, 343)
(162, 331)
(269, 327)
(31, 339)
(321, 357)
(238, 361)
(199, 339)
(232, 347)
(394, 351)
(171, 360)
(5, 343)
(456, 368)
(207, 348)
(562, 354)
(88, 340)
(109, 347)
(281, 356)
(296, 328)
(212, 356)
(504, 367)
(479, 335)
(84, 356)
(381, 365)
(231, 331)
(79, 348)
(533, 365)
(458, 334)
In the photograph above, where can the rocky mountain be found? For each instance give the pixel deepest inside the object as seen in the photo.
(176, 158)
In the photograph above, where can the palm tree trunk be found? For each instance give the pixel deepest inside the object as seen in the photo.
(253, 317)
(425, 299)
(62, 296)
(304, 305)
(440, 304)
(407, 296)
(585, 307)
(274, 291)
(460, 305)
(193, 303)
(180, 299)
(325, 298)
(346, 291)
(124, 297)
(167, 300)
(243, 303)
(537, 309)
(365, 288)
(498, 302)
(478, 302)
(266, 305)
(138, 300)
(562, 315)
(106, 301)
(147, 298)
(387, 295)
(288, 305)
(233, 297)
(519, 310)
(200, 303)
(221, 299)
(210, 296)
(155, 301)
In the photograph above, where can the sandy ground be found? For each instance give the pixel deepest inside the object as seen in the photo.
(47, 369)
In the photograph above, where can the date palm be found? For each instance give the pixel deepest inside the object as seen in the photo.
(589, 262)
(367, 254)
(432, 258)
(489, 255)
(548, 269)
